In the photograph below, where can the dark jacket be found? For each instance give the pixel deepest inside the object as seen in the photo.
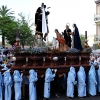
(67, 37)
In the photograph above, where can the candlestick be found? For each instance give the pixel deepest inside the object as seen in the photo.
(86, 35)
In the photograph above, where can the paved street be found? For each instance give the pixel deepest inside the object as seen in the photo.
(62, 97)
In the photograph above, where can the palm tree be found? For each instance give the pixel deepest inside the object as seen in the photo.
(5, 12)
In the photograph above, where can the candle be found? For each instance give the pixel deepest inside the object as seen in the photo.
(86, 35)
(26, 59)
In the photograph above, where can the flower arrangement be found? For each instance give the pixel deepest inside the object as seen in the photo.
(15, 49)
(73, 50)
(38, 50)
(87, 50)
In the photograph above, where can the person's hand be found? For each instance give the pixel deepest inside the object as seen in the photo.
(42, 76)
(21, 74)
(60, 75)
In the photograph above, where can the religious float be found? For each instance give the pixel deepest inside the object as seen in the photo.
(40, 60)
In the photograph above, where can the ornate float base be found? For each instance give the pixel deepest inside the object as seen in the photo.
(60, 61)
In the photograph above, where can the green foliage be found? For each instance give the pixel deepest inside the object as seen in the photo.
(82, 37)
(5, 16)
(30, 40)
(25, 31)
(8, 27)
(88, 50)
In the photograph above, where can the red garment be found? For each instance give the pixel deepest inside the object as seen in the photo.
(61, 40)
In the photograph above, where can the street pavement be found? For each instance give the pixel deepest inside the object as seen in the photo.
(63, 97)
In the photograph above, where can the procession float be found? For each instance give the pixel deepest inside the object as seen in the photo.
(40, 61)
(40, 57)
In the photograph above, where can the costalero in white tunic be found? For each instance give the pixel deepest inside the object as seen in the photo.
(32, 86)
(81, 76)
(71, 82)
(17, 84)
(49, 76)
(92, 82)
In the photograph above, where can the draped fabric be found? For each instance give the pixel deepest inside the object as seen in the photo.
(67, 37)
(38, 11)
(81, 76)
(38, 20)
(77, 41)
(55, 43)
(61, 40)
(44, 25)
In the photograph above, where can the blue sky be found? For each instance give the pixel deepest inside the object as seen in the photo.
(80, 12)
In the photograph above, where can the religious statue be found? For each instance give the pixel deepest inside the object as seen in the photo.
(59, 42)
(17, 43)
(86, 45)
(41, 21)
(67, 35)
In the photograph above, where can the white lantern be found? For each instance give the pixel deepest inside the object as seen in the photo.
(14, 58)
(55, 58)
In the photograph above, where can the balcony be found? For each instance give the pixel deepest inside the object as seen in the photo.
(96, 38)
(97, 1)
(97, 18)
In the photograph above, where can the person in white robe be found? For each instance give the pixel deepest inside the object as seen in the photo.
(17, 84)
(98, 79)
(81, 76)
(32, 86)
(55, 43)
(92, 82)
(71, 82)
(1, 85)
(8, 85)
(49, 76)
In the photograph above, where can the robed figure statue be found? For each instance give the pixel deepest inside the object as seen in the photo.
(67, 36)
(41, 21)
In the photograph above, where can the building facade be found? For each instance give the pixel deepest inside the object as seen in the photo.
(97, 21)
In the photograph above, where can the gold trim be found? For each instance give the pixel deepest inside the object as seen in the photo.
(38, 32)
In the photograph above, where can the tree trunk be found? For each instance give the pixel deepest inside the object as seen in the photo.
(3, 40)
